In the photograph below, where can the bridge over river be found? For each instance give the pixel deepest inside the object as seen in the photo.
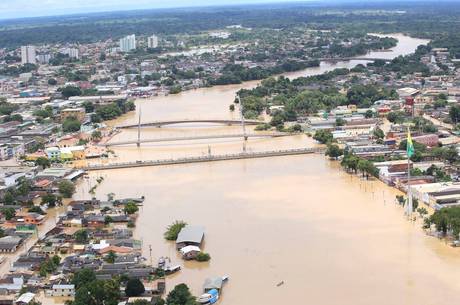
(191, 138)
(173, 122)
(209, 158)
(352, 58)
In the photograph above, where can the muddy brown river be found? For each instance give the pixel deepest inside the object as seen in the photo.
(329, 237)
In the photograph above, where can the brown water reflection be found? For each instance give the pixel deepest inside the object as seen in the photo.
(331, 237)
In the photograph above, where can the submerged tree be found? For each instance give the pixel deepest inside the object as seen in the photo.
(173, 230)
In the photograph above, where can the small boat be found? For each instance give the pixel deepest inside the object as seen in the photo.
(161, 262)
(209, 297)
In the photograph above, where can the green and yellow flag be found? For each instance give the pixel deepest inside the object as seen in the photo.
(410, 145)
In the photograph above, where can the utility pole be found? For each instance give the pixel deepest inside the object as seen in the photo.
(150, 250)
(243, 125)
(139, 129)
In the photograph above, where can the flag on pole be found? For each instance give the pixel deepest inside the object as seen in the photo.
(409, 145)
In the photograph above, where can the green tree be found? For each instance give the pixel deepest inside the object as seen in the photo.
(108, 219)
(175, 89)
(81, 236)
(422, 211)
(9, 213)
(172, 231)
(334, 151)
(396, 117)
(9, 197)
(111, 257)
(89, 107)
(180, 295)
(43, 162)
(82, 277)
(71, 124)
(96, 135)
(66, 188)
(36, 209)
(278, 119)
(340, 122)
(13, 118)
(323, 136)
(203, 257)
(369, 114)
(69, 91)
(98, 292)
(134, 288)
(350, 162)
(130, 208)
(454, 113)
(49, 199)
(446, 220)
(378, 133)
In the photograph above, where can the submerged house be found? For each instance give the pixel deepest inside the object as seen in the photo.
(213, 283)
(190, 236)
(189, 252)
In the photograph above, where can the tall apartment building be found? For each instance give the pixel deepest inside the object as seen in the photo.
(152, 41)
(28, 55)
(128, 43)
(72, 52)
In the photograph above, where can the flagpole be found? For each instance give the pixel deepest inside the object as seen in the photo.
(409, 193)
(409, 149)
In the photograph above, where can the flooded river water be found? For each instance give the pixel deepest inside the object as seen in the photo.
(331, 238)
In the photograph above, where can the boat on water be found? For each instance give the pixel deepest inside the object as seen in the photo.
(212, 288)
(209, 297)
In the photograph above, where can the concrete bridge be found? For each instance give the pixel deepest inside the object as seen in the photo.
(191, 138)
(172, 122)
(353, 58)
(209, 158)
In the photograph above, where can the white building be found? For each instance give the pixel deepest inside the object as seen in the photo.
(152, 41)
(44, 58)
(128, 43)
(222, 34)
(72, 52)
(62, 291)
(28, 55)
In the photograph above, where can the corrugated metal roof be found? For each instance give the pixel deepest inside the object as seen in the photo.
(213, 283)
(26, 297)
(193, 234)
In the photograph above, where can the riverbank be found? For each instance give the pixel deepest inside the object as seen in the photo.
(313, 68)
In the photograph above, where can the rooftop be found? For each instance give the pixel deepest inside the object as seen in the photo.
(193, 234)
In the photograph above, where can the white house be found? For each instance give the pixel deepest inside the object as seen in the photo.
(62, 290)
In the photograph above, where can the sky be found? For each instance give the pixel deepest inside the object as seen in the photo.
(32, 8)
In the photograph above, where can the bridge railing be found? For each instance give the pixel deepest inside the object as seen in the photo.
(205, 158)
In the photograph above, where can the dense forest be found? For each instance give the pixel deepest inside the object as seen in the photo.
(423, 19)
